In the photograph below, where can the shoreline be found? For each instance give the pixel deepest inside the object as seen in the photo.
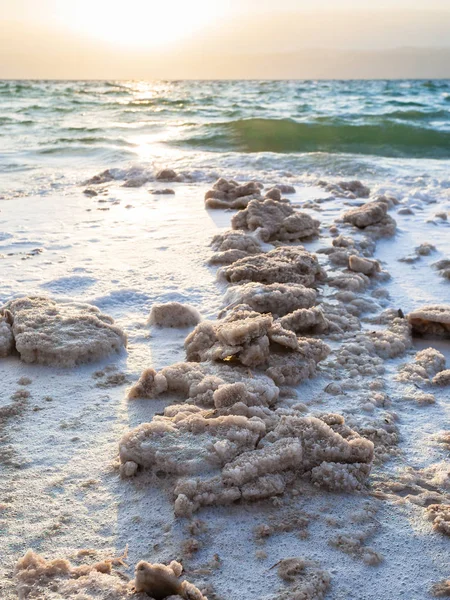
(171, 265)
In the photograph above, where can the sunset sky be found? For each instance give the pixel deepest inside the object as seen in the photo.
(224, 38)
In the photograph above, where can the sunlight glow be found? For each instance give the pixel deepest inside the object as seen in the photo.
(141, 23)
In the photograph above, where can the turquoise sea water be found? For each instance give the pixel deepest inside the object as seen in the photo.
(55, 134)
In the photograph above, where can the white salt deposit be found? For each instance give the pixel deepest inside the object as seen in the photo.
(243, 435)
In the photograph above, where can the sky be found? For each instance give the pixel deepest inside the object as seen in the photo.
(175, 39)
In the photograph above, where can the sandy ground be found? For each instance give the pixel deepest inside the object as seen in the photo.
(60, 489)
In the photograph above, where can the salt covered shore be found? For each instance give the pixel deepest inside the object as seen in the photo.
(243, 385)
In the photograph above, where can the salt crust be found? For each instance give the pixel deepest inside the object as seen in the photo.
(230, 194)
(373, 218)
(274, 220)
(245, 457)
(427, 363)
(256, 340)
(174, 314)
(62, 334)
(346, 189)
(305, 579)
(41, 579)
(232, 245)
(281, 265)
(6, 336)
(276, 298)
(431, 320)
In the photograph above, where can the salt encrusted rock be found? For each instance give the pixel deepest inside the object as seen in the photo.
(62, 334)
(425, 249)
(364, 265)
(340, 318)
(343, 247)
(163, 191)
(442, 378)
(90, 193)
(305, 320)
(285, 188)
(441, 589)
(174, 314)
(394, 340)
(354, 282)
(230, 194)
(188, 440)
(370, 213)
(233, 245)
(439, 514)
(167, 175)
(41, 579)
(290, 368)
(305, 578)
(443, 267)
(202, 383)
(253, 339)
(372, 217)
(273, 194)
(135, 182)
(103, 177)
(431, 320)
(276, 298)
(6, 335)
(427, 363)
(282, 265)
(346, 189)
(160, 581)
(275, 221)
(237, 460)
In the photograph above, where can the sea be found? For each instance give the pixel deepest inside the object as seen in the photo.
(55, 134)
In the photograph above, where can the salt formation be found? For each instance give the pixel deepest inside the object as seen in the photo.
(441, 589)
(422, 487)
(431, 320)
(62, 334)
(439, 514)
(103, 177)
(41, 579)
(373, 218)
(364, 265)
(162, 191)
(274, 220)
(427, 363)
(395, 339)
(174, 314)
(284, 188)
(305, 320)
(305, 578)
(230, 194)
(135, 182)
(6, 335)
(282, 265)
(168, 175)
(443, 267)
(276, 298)
(161, 581)
(256, 340)
(233, 245)
(198, 383)
(344, 247)
(425, 249)
(237, 459)
(346, 189)
(442, 378)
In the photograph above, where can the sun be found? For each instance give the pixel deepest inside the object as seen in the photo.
(141, 23)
